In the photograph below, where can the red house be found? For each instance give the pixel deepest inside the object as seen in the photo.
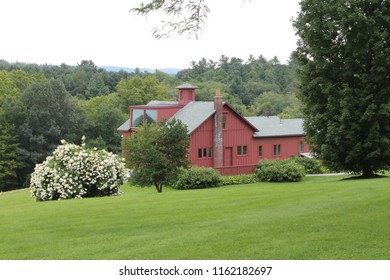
(219, 136)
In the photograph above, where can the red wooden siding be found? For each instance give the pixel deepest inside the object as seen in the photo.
(167, 112)
(289, 147)
(237, 133)
(202, 138)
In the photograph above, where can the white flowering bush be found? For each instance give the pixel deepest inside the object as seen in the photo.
(76, 171)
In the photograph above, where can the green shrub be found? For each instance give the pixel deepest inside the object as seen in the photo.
(197, 178)
(311, 165)
(280, 171)
(239, 179)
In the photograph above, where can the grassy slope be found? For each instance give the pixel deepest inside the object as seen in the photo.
(320, 218)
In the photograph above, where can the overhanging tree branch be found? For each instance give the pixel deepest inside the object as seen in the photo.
(182, 16)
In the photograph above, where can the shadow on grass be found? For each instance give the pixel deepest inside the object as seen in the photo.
(361, 177)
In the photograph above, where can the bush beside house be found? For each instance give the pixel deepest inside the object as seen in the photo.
(311, 165)
(197, 177)
(280, 171)
(289, 170)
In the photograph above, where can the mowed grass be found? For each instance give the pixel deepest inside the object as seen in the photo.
(319, 218)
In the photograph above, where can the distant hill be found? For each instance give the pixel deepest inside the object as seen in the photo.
(170, 71)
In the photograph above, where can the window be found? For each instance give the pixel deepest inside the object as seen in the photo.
(139, 116)
(277, 150)
(151, 116)
(301, 147)
(205, 152)
(242, 150)
(224, 117)
(260, 151)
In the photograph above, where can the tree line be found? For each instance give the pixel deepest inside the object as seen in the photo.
(43, 104)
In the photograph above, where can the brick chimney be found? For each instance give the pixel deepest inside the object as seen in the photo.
(218, 140)
(186, 93)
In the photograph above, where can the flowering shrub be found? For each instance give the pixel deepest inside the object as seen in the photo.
(76, 171)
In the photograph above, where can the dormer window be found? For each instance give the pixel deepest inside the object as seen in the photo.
(139, 116)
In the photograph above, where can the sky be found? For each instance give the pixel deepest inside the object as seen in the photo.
(104, 31)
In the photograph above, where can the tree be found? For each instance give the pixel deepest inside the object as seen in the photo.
(140, 91)
(184, 16)
(102, 116)
(156, 153)
(78, 81)
(51, 116)
(343, 53)
(10, 161)
(7, 86)
(271, 103)
(96, 86)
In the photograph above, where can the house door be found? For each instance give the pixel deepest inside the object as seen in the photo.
(228, 156)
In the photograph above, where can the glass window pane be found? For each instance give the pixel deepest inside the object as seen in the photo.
(301, 147)
(151, 116)
(210, 153)
(137, 117)
(245, 150)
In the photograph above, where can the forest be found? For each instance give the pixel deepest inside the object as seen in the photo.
(42, 104)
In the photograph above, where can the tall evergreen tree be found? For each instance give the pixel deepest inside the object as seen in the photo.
(344, 57)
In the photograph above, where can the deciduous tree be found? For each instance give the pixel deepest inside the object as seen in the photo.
(183, 16)
(51, 116)
(344, 57)
(140, 90)
(155, 153)
(10, 160)
(102, 116)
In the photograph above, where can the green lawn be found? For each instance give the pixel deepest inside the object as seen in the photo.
(319, 218)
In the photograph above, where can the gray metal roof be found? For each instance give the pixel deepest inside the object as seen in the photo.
(186, 86)
(273, 126)
(158, 103)
(125, 126)
(194, 114)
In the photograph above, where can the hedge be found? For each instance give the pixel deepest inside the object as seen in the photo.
(239, 179)
(197, 178)
(280, 171)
